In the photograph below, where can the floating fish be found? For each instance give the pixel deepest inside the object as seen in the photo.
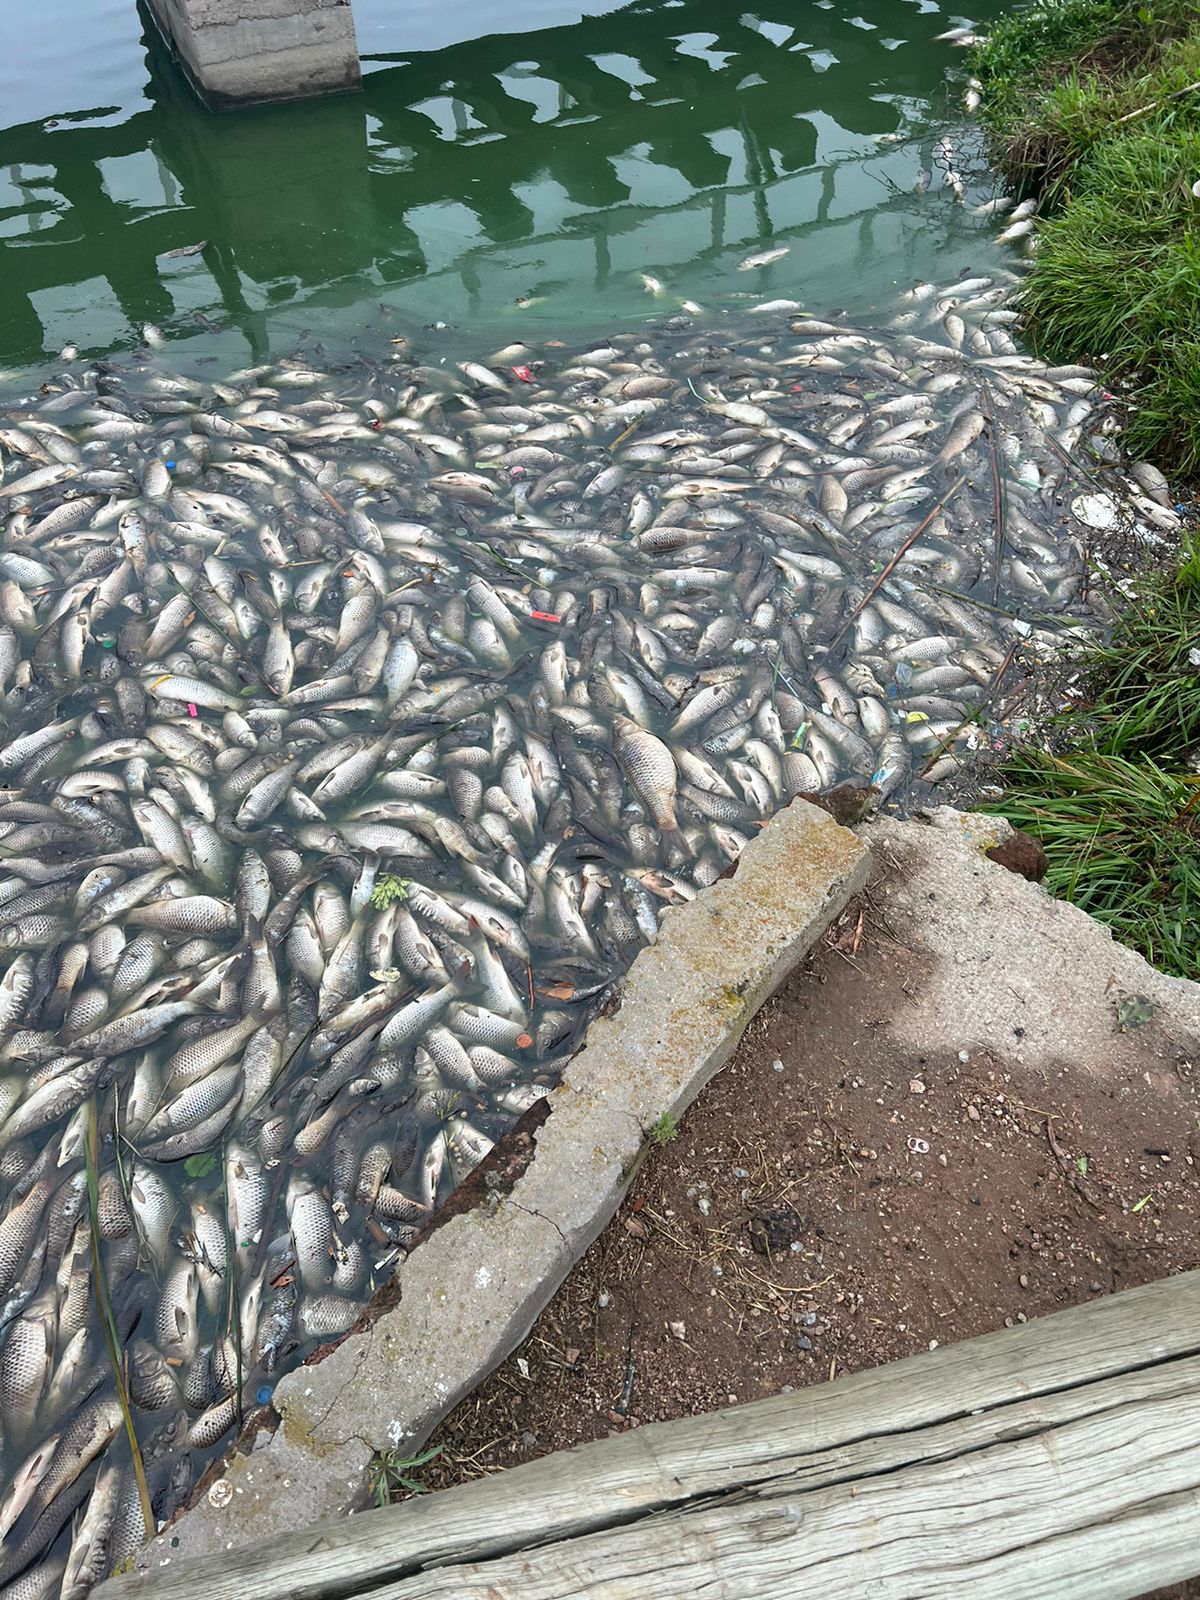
(357, 728)
(764, 259)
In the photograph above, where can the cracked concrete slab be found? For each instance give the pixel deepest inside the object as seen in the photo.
(1015, 971)
(471, 1291)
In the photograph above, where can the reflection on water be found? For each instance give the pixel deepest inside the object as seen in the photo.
(516, 178)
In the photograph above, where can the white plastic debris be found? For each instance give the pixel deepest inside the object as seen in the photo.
(1096, 511)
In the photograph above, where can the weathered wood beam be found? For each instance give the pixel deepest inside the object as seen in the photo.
(1061, 1458)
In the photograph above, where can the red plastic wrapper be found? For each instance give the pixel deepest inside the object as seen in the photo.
(523, 373)
(544, 616)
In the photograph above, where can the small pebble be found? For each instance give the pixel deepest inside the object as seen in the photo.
(777, 1066)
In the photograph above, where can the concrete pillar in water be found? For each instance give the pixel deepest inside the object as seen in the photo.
(237, 52)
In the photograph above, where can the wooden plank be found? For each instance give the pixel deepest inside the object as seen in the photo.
(941, 1412)
(1052, 1514)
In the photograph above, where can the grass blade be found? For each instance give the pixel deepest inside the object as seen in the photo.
(233, 1309)
(108, 1321)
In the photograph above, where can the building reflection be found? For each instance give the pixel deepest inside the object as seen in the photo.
(586, 131)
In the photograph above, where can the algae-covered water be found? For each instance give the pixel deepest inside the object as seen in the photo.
(518, 180)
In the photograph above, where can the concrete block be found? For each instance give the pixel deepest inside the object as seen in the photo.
(1010, 968)
(239, 52)
(471, 1292)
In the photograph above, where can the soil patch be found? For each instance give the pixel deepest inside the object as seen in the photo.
(834, 1201)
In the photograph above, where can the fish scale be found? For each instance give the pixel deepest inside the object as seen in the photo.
(394, 716)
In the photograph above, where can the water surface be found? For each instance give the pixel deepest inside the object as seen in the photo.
(519, 180)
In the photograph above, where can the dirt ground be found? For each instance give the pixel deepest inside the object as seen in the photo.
(829, 1204)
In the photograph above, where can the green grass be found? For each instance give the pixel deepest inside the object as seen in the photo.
(1147, 682)
(1117, 275)
(1123, 841)
(1094, 104)
(1029, 56)
(1119, 811)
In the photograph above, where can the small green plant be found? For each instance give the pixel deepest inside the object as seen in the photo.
(389, 1472)
(388, 889)
(664, 1130)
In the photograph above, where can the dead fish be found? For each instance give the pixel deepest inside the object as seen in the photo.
(764, 259)
(347, 767)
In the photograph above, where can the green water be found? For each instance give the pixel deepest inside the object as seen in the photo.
(513, 183)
